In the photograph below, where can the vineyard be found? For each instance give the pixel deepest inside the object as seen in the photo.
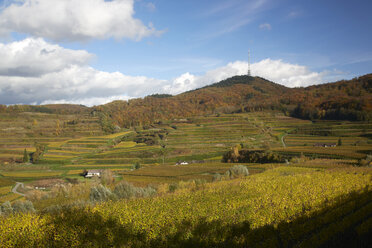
(281, 207)
(317, 196)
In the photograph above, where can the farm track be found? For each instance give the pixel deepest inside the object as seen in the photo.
(14, 190)
(282, 139)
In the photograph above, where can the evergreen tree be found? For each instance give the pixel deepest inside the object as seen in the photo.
(25, 156)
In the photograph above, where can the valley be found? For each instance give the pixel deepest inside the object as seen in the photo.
(185, 180)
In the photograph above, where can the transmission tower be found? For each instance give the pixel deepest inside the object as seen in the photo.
(249, 63)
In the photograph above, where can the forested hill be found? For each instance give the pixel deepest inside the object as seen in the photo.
(240, 93)
(49, 109)
(248, 80)
(351, 100)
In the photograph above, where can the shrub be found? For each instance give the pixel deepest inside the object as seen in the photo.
(125, 190)
(237, 171)
(149, 191)
(6, 208)
(23, 207)
(216, 177)
(58, 208)
(100, 193)
(199, 183)
(365, 162)
(252, 156)
(72, 180)
(173, 187)
(137, 165)
(107, 177)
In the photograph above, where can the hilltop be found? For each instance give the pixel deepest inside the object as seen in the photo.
(343, 100)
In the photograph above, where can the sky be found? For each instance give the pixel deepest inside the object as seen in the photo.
(92, 52)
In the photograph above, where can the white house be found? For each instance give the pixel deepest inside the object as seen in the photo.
(182, 163)
(92, 173)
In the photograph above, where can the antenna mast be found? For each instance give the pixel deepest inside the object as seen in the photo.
(249, 63)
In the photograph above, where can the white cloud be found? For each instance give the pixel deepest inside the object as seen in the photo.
(35, 57)
(290, 75)
(88, 101)
(265, 26)
(75, 84)
(65, 76)
(74, 20)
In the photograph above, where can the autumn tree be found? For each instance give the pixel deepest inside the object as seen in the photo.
(39, 150)
(58, 128)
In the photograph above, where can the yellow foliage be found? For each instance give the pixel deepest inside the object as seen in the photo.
(270, 199)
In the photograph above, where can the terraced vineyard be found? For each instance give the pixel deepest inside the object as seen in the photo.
(21, 131)
(314, 198)
(76, 143)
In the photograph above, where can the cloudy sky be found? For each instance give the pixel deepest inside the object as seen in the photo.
(94, 51)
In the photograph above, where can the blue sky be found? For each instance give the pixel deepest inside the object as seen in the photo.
(202, 35)
(142, 47)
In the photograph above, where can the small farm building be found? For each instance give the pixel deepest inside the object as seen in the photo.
(92, 173)
(325, 144)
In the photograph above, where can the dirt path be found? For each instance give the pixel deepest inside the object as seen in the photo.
(14, 190)
(283, 140)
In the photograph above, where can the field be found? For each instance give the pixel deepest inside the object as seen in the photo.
(73, 143)
(316, 197)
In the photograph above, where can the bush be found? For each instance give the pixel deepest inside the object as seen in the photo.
(365, 162)
(56, 209)
(137, 165)
(6, 208)
(173, 187)
(107, 177)
(200, 183)
(23, 207)
(73, 180)
(237, 171)
(100, 193)
(149, 191)
(252, 156)
(125, 190)
(216, 177)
